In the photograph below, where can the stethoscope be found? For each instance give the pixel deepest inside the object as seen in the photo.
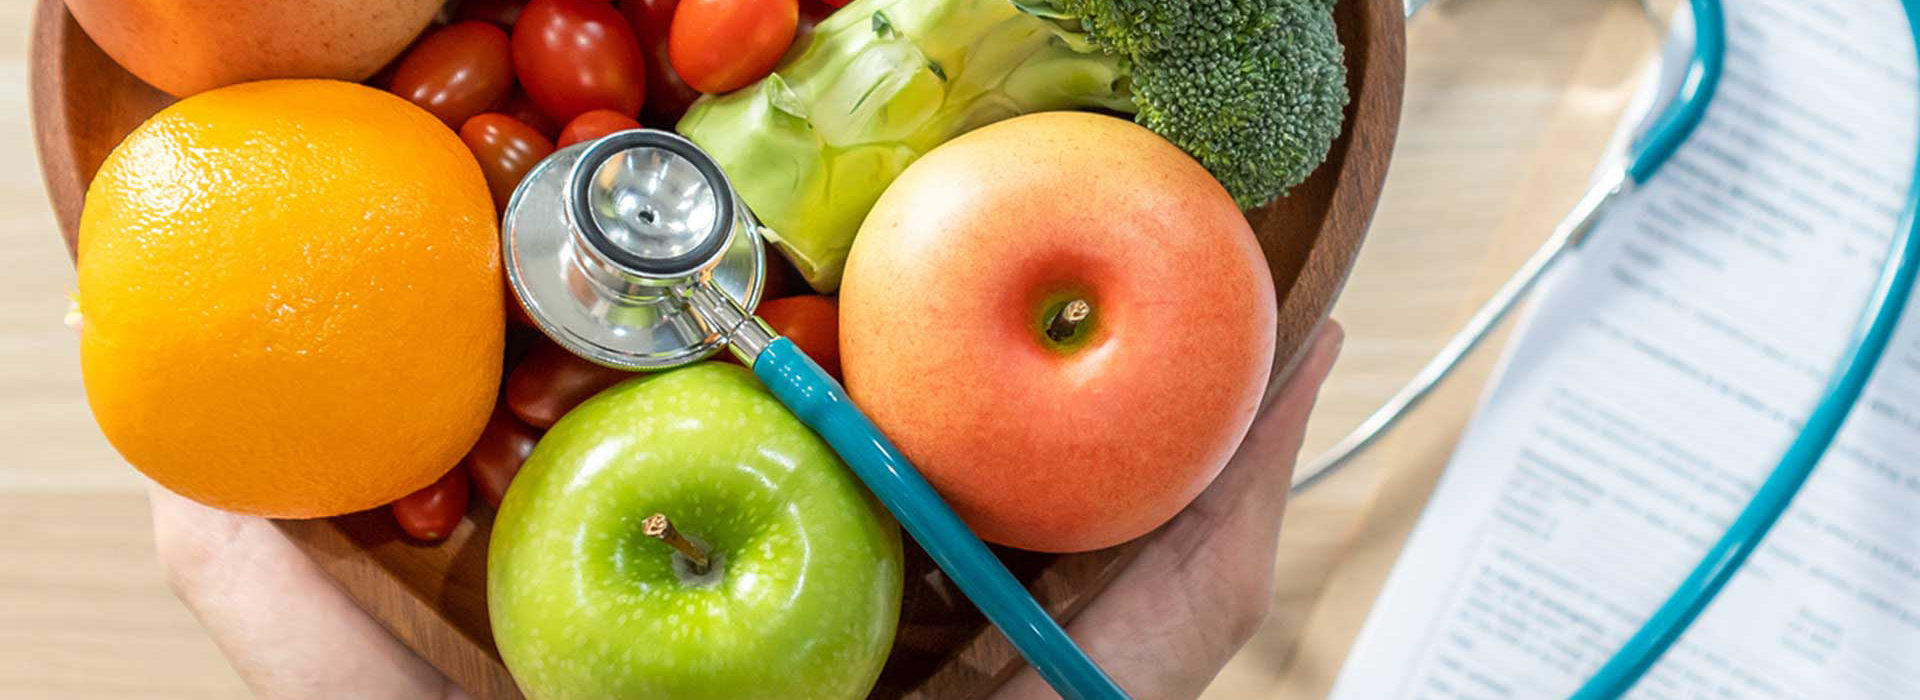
(1645, 157)
(634, 251)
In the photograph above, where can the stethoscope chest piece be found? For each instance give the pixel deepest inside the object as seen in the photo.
(610, 245)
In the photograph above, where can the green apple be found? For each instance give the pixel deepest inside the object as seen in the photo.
(802, 593)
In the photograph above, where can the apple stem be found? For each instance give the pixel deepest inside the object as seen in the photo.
(1067, 320)
(657, 526)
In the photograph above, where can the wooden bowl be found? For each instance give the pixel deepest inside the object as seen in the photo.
(433, 598)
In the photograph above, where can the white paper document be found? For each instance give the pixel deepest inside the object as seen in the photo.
(1658, 381)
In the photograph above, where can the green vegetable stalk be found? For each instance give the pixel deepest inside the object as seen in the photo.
(1254, 89)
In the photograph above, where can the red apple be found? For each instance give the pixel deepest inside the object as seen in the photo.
(1044, 433)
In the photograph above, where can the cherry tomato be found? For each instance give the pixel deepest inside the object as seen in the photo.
(812, 322)
(667, 95)
(519, 107)
(651, 19)
(506, 148)
(497, 456)
(724, 45)
(457, 71)
(520, 341)
(812, 12)
(595, 124)
(551, 381)
(430, 514)
(500, 12)
(575, 56)
(782, 279)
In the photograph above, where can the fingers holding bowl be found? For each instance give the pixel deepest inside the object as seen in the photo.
(285, 627)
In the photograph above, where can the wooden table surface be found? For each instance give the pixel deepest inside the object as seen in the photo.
(1507, 104)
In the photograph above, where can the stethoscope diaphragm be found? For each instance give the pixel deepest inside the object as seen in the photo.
(607, 242)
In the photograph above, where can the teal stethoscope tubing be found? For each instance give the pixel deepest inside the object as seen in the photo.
(1650, 152)
(1884, 309)
(1697, 89)
(823, 405)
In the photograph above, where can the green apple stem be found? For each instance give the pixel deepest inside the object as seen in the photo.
(660, 528)
(1067, 320)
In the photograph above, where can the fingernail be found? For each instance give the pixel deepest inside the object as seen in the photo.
(1327, 345)
(1333, 332)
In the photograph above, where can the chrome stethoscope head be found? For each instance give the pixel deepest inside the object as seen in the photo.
(652, 203)
(634, 251)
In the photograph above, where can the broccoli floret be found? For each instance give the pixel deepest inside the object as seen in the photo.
(1253, 89)
(1256, 90)
(1145, 26)
(1260, 111)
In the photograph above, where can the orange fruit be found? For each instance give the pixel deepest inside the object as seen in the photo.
(292, 298)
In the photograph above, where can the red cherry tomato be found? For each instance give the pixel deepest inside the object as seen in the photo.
(782, 279)
(812, 12)
(552, 381)
(430, 514)
(667, 95)
(500, 12)
(457, 71)
(724, 45)
(812, 322)
(518, 106)
(497, 456)
(506, 148)
(520, 341)
(651, 19)
(595, 124)
(575, 56)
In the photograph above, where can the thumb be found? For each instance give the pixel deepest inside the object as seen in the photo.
(1167, 624)
(1250, 495)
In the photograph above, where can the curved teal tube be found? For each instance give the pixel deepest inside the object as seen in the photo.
(1884, 309)
(823, 405)
(1689, 107)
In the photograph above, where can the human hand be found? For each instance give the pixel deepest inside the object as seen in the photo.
(1163, 629)
(1204, 582)
(286, 628)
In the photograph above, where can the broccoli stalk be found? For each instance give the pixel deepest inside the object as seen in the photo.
(1254, 89)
